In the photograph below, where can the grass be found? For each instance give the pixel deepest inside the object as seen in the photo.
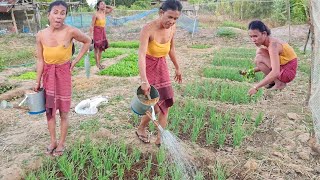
(109, 53)
(229, 73)
(20, 57)
(226, 32)
(232, 62)
(124, 44)
(126, 67)
(206, 126)
(6, 87)
(17, 50)
(200, 46)
(236, 93)
(107, 160)
(236, 52)
(304, 67)
(233, 24)
(26, 76)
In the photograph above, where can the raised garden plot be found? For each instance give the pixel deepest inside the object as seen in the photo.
(243, 63)
(229, 73)
(26, 76)
(200, 46)
(235, 93)
(128, 66)
(206, 126)
(88, 160)
(109, 53)
(124, 44)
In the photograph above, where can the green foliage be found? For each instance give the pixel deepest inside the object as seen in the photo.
(206, 126)
(219, 172)
(196, 1)
(232, 62)
(6, 87)
(109, 53)
(234, 57)
(126, 67)
(226, 32)
(233, 24)
(223, 73)
(279, 11)
(275, 11)
(222, 91)
(18, 57)
(124, 44)
(105, 160)
(298, 10)
(244, 9)
(200, 46)
(26, 76)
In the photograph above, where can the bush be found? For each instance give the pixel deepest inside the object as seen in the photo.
(234, 24)
(226, 32)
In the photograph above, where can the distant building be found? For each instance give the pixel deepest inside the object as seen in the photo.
(19, 16)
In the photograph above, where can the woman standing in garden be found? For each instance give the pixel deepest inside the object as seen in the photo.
(98, 31)
(275, 58)
(54, 67)
(156, 42)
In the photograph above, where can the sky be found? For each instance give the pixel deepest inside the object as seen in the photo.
(92, 2)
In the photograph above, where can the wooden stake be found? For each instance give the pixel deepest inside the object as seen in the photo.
(25, 13)
(14, 21)
(308, 37)
(289, 19)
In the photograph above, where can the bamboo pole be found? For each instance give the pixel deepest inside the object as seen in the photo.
(14, 21)
(289, 19)
(25, 13)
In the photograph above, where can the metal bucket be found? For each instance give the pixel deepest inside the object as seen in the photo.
(35, 101)
(139, 106)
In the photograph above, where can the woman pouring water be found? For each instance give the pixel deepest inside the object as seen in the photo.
(54, 67)
(156, 42)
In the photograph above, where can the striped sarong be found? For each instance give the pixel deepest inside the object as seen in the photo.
(288, 71)
(158, 76)
(100, 38)
(57, 85)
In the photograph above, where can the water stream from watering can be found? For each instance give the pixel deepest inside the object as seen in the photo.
(176, 152)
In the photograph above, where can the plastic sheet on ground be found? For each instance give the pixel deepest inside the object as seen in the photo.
(90, 106)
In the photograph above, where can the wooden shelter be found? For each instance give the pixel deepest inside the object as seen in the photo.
(19, 15)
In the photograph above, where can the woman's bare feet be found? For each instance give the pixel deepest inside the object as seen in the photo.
(59, 150)
(279, 85)
(143, 135)
(52, 146)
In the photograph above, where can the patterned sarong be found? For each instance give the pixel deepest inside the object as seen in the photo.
(288, 71)
(57, 85)
(99, 38)
(158, 76)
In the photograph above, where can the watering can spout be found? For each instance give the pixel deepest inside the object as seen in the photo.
(153, 115)
(23, 101)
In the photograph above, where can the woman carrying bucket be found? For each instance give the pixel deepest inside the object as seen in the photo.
(156, 42)
(98, 31)
(54, 67)
(275, 58)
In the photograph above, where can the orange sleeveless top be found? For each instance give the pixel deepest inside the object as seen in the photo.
(287, 54)
(100, 22)
(58, 54)
(156, 49)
